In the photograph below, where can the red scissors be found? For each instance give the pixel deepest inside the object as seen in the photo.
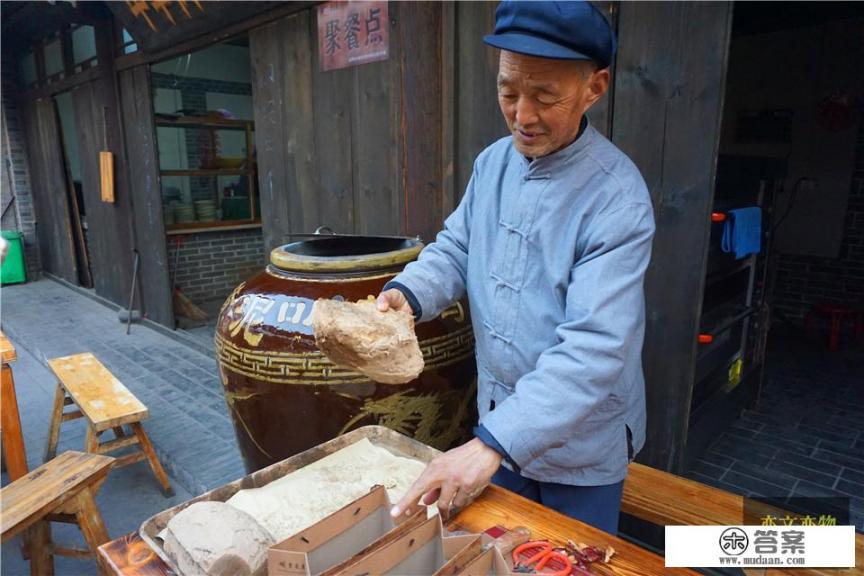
(533, 557)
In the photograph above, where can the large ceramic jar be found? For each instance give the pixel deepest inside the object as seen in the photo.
(284, 396)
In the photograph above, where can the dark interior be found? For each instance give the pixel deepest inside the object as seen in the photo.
(348, 246)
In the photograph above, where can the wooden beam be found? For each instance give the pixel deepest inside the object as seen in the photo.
(145, 194)
(136, 59)
(74, 415)
(268, 46)
(116, 444)
(600, 114)
(479, 121)
(65, 84)
(449, 89)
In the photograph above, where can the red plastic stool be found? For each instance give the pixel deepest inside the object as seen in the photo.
(836, 315)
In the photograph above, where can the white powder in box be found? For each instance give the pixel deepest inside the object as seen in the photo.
(302, 498)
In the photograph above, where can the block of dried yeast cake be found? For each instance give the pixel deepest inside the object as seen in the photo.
(381, 345)
(216, 539)
(302, 498)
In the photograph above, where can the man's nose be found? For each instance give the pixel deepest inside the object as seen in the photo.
(526, 112)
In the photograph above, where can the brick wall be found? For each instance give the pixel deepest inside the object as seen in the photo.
(15, 174)
(212, 264)
(805, 280)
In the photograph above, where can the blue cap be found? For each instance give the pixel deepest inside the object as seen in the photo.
(563, 30)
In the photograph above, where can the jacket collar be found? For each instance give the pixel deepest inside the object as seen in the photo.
(545, 166)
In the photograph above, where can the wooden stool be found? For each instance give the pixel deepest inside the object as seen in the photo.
(106, 403)
(63, 490)
(836, 315)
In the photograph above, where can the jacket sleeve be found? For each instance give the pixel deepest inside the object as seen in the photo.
(438, 277)
(603, 314)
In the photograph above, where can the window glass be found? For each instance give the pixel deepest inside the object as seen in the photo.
(68, 129)
(215, 81)
(54, 59)
(28, 69)
(83, 44)
(203, 110)
(129, 45)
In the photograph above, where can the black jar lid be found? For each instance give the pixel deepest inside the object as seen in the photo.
(346, 253)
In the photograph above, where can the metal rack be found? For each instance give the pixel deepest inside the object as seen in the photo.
(733, 325)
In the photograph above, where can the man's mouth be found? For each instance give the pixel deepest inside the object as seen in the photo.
(528, 136)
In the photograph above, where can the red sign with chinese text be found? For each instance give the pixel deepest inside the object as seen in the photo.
(351, 33)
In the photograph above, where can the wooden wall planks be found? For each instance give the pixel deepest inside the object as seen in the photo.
(375, 138)
(333, 103)
(109, 234)
(50, 192)
(478, 119)
(600, 114)
(420, 30)
(344, 148)
(146, 195)
(667, 109)
(275, 172)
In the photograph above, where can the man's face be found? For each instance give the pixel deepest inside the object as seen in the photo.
(543, 100)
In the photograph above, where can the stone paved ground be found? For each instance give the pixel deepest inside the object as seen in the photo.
(807, 436)
(188, 424)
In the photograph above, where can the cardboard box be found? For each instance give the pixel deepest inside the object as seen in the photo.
(362, 539)
(333, 543)
(422, 551)
(491, 561)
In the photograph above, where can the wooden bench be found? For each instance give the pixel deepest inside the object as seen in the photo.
(106, 404)
(669, 500)
(63, 490)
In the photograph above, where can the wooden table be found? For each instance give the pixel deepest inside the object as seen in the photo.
(10, 420)
(131, 556)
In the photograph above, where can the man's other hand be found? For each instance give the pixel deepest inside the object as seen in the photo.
(453, 479)
(393, 299)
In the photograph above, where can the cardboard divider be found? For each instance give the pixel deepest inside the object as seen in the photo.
(362, 539)
(330, 545)
(424, 550)
(490, 562)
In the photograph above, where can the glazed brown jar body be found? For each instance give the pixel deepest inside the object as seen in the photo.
(284, 396)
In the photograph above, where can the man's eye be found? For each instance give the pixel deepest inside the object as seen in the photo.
(507, 96)
(547, 100)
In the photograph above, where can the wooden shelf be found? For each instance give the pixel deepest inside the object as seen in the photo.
(246, 170)
(208, 172)
(193, 122)
(198, 227)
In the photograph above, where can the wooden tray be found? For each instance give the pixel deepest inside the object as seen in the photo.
(397, 444)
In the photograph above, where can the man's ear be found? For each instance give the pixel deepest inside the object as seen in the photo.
(598, 84)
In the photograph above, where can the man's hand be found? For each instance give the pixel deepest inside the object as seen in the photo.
(393, 299)
(453, 479)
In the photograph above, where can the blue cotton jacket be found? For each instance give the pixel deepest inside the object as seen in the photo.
(552, 254)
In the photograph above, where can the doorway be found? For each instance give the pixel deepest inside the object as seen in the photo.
(793, 109)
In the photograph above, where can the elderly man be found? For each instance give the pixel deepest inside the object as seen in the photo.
(550, 242)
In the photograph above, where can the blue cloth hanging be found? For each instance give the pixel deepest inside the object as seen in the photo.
(742, 232)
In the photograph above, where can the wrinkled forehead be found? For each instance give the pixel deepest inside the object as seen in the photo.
(533, 71)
